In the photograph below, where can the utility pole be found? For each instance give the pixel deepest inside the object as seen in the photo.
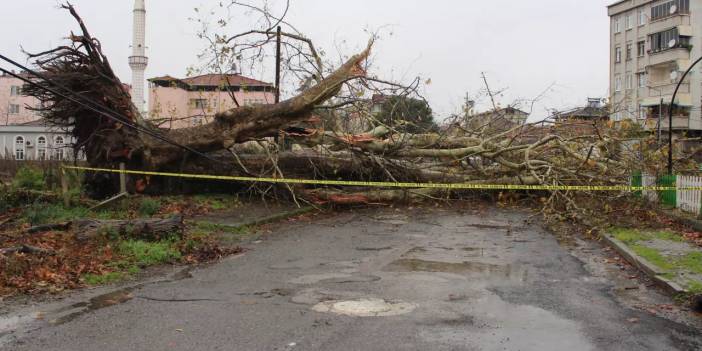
(660, 120)
(280, 138)
(277, 65)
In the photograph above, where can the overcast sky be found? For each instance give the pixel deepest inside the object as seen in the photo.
(523, 46)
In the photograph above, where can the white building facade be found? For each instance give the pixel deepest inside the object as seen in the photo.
(24, 135)
(652, 43)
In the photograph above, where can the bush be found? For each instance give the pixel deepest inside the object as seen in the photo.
(41, 213)
(149, 207)
(29, 178)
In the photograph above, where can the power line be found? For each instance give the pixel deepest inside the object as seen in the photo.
(113, 115)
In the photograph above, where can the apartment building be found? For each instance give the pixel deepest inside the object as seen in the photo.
(652, 44)
(180, 103)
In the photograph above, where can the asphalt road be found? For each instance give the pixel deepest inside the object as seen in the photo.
(377, 280)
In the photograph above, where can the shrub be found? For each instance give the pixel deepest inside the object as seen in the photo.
(41, 213)
(149, 207)
(29, 178)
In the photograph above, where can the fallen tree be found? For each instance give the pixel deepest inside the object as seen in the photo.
(486, 150)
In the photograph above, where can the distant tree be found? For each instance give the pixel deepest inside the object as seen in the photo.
(407, 114)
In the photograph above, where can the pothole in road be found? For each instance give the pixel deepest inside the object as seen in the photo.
(365, 308)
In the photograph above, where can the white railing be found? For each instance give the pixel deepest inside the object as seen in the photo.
(689, 200)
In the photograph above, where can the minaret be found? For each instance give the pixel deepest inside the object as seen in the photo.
(138, 61)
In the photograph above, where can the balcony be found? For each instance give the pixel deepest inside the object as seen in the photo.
(679, 20)
(678, 55)
(666, 90)
(680, 122)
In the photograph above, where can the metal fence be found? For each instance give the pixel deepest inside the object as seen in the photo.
(689, 201)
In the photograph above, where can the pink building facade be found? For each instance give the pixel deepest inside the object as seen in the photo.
(14, 105)
(180, 103)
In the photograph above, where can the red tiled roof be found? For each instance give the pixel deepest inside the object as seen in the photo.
(215, 80)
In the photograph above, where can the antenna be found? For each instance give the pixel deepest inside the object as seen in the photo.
(672, 42)
(673, 9)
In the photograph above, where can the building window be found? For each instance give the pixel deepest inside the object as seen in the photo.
(641, 48)
(41, 148)
(642, 17)
(199, 103)
(629, 81)
(15, 90)
(617, 25)
(667, 40)
(642, 79)
(629, 52)
(14, 109)
(670, 8)
(618, 55)
(59, 143)
(198, 121)
(19, 148)
(629, 22)
(618, 83)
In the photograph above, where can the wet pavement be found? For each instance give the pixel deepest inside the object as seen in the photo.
(378, 279)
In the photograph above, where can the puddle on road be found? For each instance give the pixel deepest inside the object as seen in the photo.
(96, 303)
(365, 308)
(406, 265)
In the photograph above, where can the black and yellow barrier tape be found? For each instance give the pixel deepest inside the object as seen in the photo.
(448, 186)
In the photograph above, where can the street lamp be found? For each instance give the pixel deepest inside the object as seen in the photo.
(670, 116)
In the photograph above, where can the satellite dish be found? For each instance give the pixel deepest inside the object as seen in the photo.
(674, 75)
(672, 42)
(673, 9)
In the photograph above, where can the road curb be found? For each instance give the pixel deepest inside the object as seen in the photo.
(655, 273)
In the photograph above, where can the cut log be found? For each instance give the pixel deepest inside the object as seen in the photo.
(142, 229)
(26, 249)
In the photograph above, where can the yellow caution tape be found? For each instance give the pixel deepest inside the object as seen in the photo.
(454, 186)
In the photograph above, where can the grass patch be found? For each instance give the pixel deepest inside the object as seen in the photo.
(629, 236)
(669, 236)
(694, 287)
(107, 278)
(691, 262)
(653, 256)
(144, 254)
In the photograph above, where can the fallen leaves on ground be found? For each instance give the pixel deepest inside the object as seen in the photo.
(70, 260)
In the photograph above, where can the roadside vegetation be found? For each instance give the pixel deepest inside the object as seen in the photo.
(668, 250)
(50, 261)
